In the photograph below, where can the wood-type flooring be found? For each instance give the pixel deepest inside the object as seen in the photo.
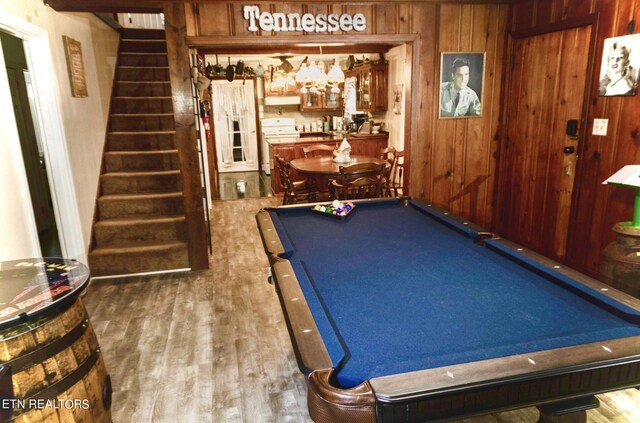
(212, 346)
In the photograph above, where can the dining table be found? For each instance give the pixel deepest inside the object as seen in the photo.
(320, 169)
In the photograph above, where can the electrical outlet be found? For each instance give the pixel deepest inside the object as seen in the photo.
(600, 127)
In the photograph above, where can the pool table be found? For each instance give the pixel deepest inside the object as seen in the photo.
(402, 312)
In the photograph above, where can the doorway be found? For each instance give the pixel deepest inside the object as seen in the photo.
(234, 117)
(546, 94)
(23, 101)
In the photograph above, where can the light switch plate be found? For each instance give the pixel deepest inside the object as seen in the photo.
(600, 127)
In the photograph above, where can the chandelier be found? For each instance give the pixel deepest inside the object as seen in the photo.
(313, 77)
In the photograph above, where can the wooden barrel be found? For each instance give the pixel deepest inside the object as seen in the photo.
(56, 369)
(620, 266)
(51, 367)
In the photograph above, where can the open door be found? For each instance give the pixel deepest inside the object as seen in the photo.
(538, 159)
(32, 150)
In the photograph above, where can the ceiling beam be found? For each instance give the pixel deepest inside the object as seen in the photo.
(296, 50)
(106, 6)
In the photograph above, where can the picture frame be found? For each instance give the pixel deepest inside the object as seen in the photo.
(461, 88)
(75, 66)
(619, 66)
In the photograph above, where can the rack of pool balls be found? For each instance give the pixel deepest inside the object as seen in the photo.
(336, 208)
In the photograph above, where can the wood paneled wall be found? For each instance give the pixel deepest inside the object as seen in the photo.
(452, 162)
(596, 207)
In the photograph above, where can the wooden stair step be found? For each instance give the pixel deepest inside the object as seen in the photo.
(139, 33)
(141, 89)
(127, 232)
(143, 59)
(140, 182)
(128, 205)
(122, 161)
(143, 46)
(142, 73)
(140, 140)
(140, 258)
(141, 105)
(141, 122)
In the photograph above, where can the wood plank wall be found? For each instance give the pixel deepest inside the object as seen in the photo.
(596, 207)
(452, 162)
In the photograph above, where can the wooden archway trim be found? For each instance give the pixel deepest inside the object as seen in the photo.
(412, 85)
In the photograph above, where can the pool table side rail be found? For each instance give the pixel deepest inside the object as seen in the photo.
(498, 371)
(599, 288)
(501, 391)
(309, 346)
(458, 223)
(271, 242)
(326, 403)
(311, 352)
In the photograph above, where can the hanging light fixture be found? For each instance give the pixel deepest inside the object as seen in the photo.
(283, 76)
(313, 77)
(302, 76)
(335, 75)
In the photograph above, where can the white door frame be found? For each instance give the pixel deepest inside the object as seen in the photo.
(49, 118)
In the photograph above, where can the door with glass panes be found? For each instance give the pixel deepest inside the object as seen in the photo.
(234, 114)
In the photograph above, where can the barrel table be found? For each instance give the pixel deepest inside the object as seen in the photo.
(620, 266)
(51, 367)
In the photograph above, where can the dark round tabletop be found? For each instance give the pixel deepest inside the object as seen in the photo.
(323, 165)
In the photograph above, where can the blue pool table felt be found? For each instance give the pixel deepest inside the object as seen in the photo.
(392, 289)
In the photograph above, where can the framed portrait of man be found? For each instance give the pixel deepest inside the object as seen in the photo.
(461, 79)
(619, 67)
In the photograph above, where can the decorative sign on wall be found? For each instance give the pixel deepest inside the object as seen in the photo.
(461, 76)
(620, 64)
(75, 65)
(294, 22)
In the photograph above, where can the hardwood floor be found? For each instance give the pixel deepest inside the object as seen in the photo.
(212, 346)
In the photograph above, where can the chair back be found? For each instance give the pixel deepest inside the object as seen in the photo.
(389, 155)
(368, 175)
(363, 187)
(283, 171)
(318, 150)
(397, 173)
(292, 190)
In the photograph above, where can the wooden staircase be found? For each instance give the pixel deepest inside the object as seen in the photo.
(140, 222)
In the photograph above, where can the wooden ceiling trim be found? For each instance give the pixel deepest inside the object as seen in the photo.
(155, 6)
(312, 42)
(296, 50)
(105, 6)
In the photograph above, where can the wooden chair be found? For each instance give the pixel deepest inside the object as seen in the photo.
(362, 187)
(397, 173)
(389, 155)
(294, 191)
(318, 150)
(362, 180)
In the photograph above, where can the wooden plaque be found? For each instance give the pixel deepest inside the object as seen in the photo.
(73, 52)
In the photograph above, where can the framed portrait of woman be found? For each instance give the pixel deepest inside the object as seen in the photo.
(619, 67)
